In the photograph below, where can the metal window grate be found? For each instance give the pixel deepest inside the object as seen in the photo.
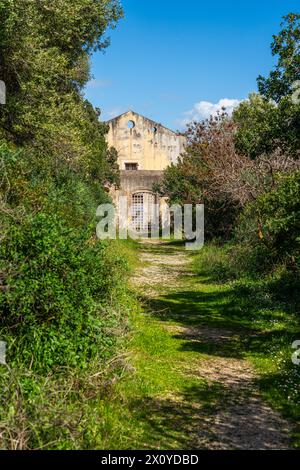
(131, 166)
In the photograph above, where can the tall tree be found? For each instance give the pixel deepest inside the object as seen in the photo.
(270, 121)
(285, 45)
(264, 127)
(44, 61)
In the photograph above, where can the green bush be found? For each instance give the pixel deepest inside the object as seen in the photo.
(63, 299)
(63, 304)
(57, 292)
(269, 228)
(58, 280)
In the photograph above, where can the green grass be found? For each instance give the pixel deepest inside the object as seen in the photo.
(159, 404)
(155, 403)
(149, 395)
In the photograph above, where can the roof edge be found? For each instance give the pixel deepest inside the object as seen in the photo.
(144, 117)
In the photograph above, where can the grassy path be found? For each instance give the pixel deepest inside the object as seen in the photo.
(193, 385)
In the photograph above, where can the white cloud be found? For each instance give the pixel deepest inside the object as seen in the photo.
(205, 109)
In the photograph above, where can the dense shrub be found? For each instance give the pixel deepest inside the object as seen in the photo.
(266, 245)
(57, 279)
(269, 228)
(59, 282)
(62, 292)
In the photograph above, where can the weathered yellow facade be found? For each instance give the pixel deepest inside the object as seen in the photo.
(145, 148)
(144, 142)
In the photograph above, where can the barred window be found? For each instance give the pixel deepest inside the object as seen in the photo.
(131, 166)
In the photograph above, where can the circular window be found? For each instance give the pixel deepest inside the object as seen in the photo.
(131, 124)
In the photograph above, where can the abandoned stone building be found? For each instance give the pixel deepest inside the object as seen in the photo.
(145, 148)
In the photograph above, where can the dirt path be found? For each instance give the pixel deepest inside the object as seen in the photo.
(234, 415)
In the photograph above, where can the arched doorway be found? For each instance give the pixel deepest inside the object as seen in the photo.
(142, 210)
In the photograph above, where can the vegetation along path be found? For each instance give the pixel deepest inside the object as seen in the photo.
(195, 386)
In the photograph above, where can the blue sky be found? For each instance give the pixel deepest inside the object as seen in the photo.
(172, 60)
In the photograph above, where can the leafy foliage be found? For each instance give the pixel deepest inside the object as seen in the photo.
(264, 127)
(56, 279)
(271, 120)
(272, 224)
(196, 177)
(285, 45)
(44, 59)
(63, 300)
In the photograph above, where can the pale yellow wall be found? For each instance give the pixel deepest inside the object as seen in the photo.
(151, 150)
